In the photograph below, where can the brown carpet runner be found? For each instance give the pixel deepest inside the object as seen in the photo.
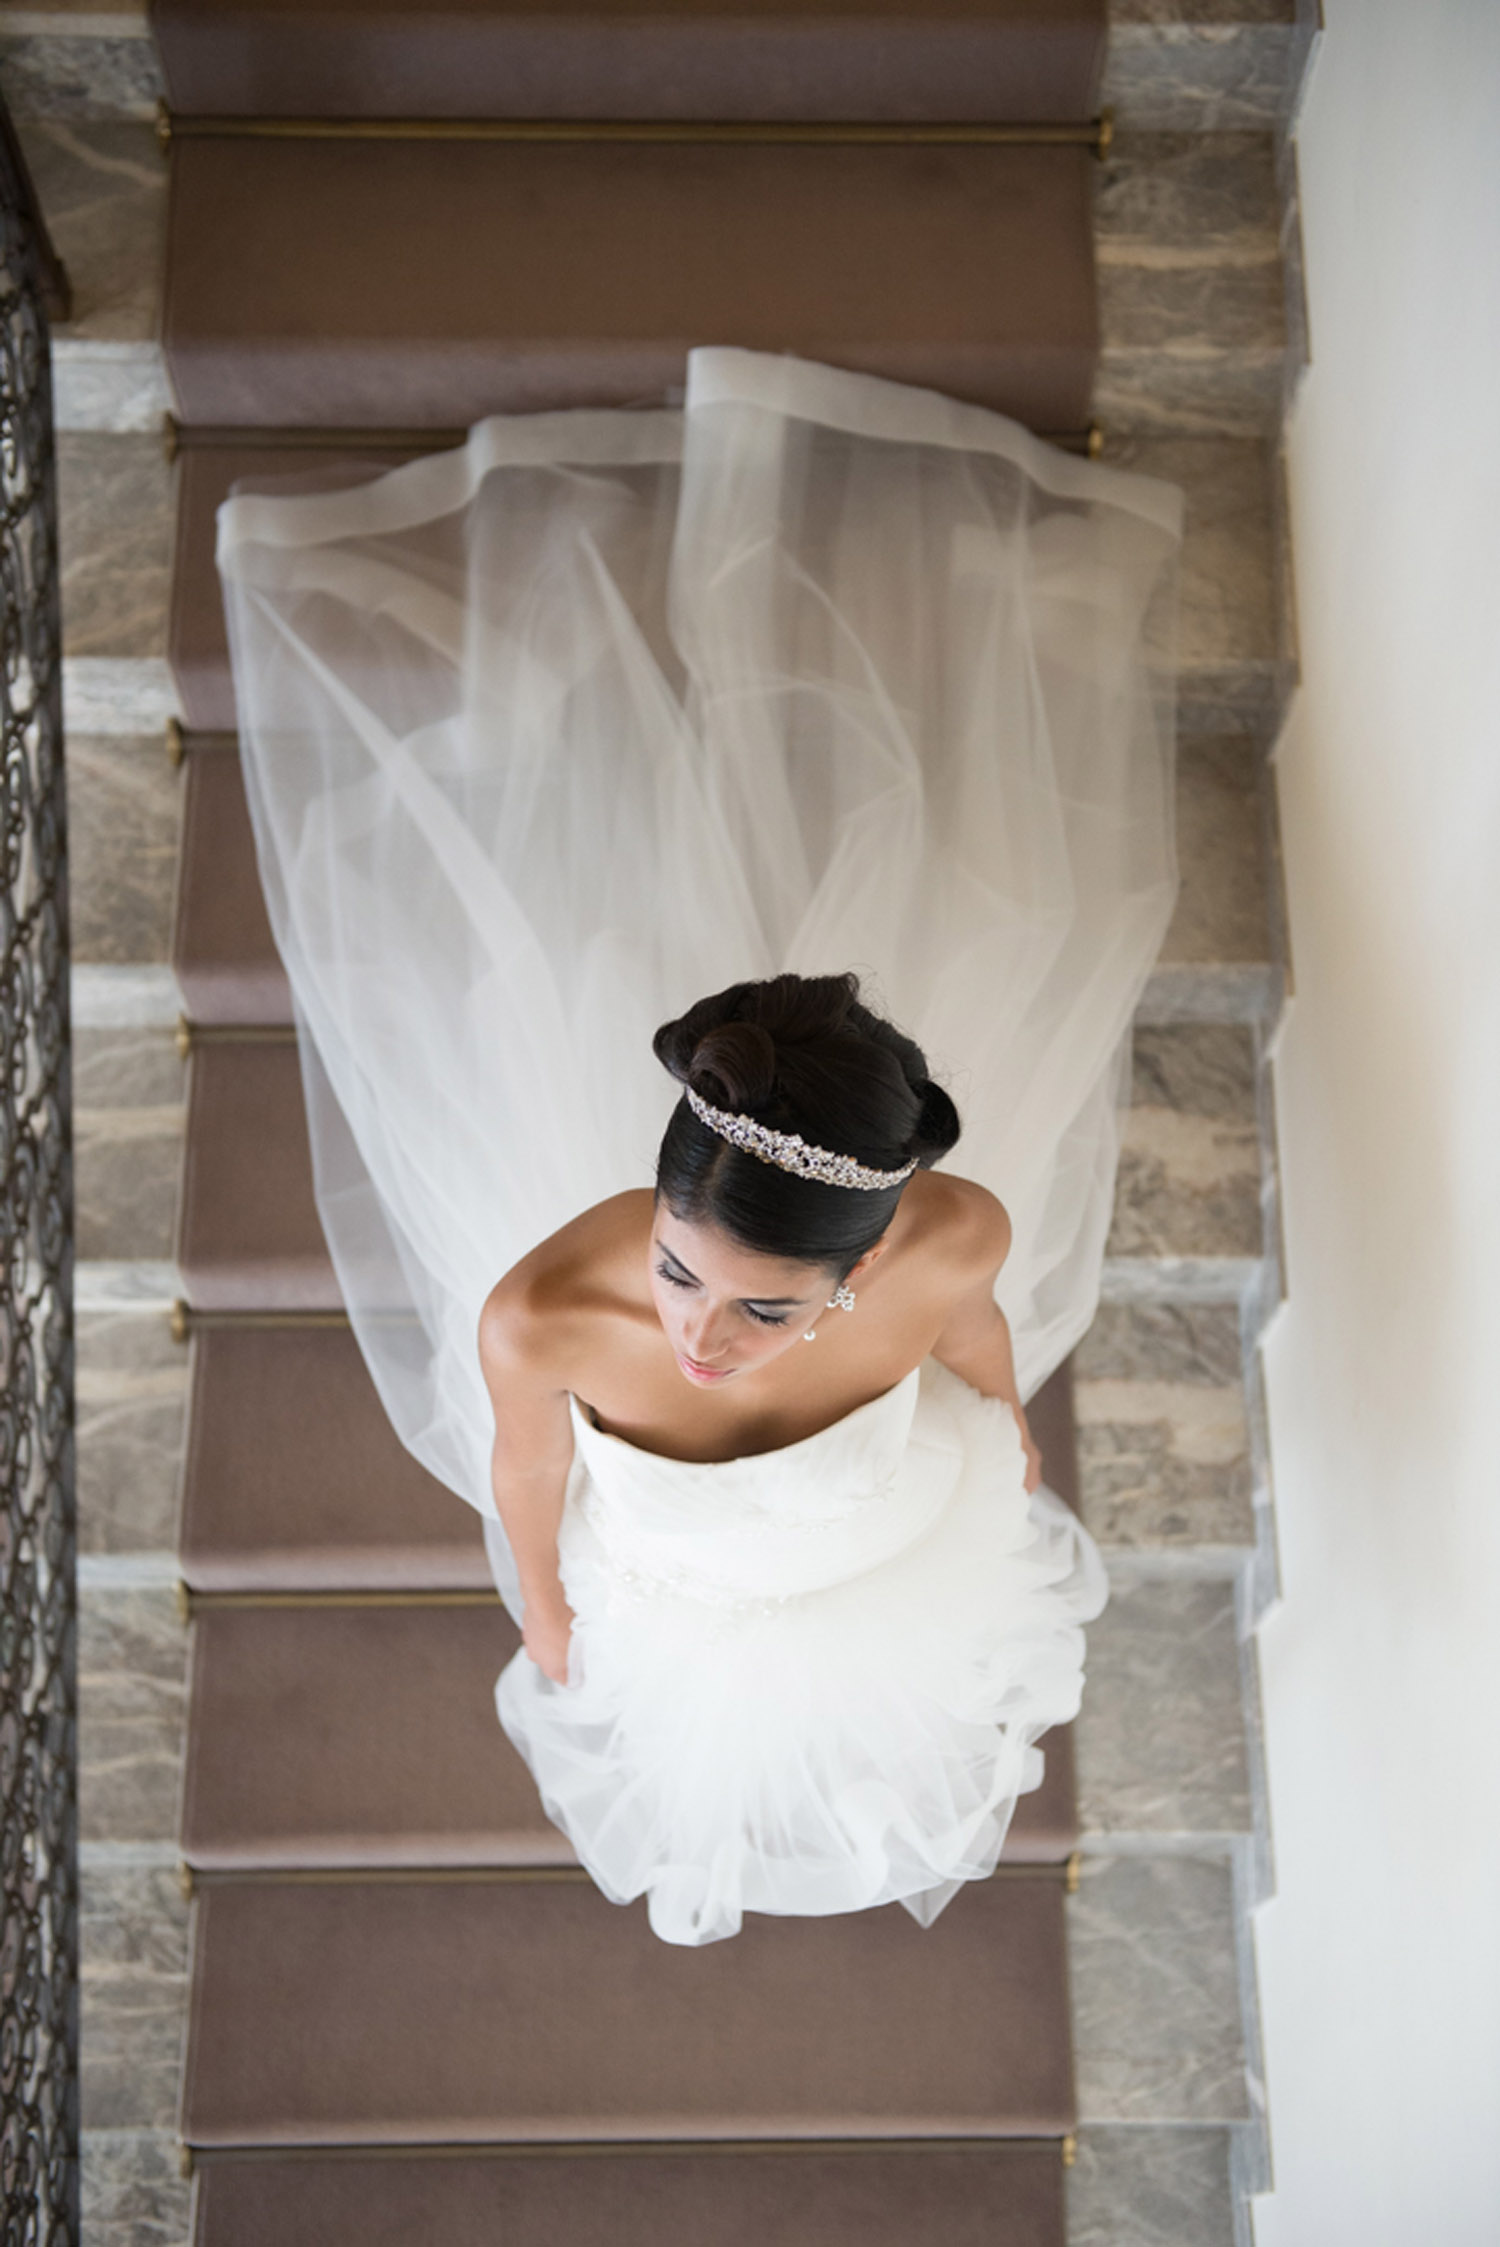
(871, 2195)
(411, 2017)
(427, 284)
(364, 1735)
(528, 2008)
(1024, 60)
(294, 1480)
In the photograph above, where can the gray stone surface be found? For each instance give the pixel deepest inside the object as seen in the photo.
(1191, 298)
(103, 191)
(1200, 69)
(1221, 14)
(1164, 1449)
(1161, 1737)
(1144, 2187)
(1233, 674)
(132, 1660)
(127, 1172)
(1165, 1470)
(128, 1131)
(1181, 1344)
(109, 385)
(1206, 1069)
(1239, 991)
(132, 1384)
(121, 1069)
(134, 1947)
(1241, 698)
(1188, 1186)
(115, 539)
(1228, 609)
(140, 995)
(105, 694)
(1222, 909)
(1156, 2024)
(133, 2195)
(143, 1286)
(79, 75)
(1189, 1177)
(124, 804)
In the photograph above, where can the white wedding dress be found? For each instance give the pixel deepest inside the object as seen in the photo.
(550, 735)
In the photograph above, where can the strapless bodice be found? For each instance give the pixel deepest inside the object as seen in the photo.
(840, 1463)
(778, 1523)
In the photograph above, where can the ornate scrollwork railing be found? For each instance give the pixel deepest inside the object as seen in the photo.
(38, 1628)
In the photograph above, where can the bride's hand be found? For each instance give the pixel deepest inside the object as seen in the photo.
(545, 1631)
(1033, 1456)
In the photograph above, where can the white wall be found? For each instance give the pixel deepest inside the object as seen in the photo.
(1379, 1956)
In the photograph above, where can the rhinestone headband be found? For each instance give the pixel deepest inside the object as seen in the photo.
(789, 1152)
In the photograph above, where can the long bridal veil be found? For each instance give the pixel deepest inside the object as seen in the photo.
(549, 735)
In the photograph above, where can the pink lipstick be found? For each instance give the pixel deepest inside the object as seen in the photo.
(704, 1374)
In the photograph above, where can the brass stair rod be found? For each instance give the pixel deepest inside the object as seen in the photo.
(615, 2149)
(192, 2158)
(179, 437)
(1096, 133)
(184, 1321)
(181, 739)
(188, 1034)
(194, 1878)
(191, 1603)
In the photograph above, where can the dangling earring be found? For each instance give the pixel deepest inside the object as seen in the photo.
(842, 1299)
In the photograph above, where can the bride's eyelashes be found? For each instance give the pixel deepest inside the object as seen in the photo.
(761, 1318)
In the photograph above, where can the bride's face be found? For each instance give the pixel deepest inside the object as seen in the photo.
(727, 1309)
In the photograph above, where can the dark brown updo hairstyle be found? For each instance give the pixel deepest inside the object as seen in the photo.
(798, 1053)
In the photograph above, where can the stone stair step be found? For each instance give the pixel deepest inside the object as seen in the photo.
(1029, 60)
(1219, 957)
(248, 1232)
(1235, 668)
(1161, 1733)
(1188, 245)
(356, 1736)
(197, 636)
(1189, 1182)
(1192, 314)
(1207, 65)
(223, 954)
(1233, 671)
(366, 1736)
(1215, 960)
(1165, 1462)
(249, 1237)
(1171, 65)
(435, 282)
(973, 2195)
(294, 1479)
(855, 2025)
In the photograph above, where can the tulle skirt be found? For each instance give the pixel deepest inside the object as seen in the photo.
(725, 1745)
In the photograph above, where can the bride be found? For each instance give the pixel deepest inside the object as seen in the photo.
(546, 735)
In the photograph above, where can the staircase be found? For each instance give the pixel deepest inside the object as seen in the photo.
(410, 2014)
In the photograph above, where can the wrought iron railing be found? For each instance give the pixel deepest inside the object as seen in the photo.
(38, 1620)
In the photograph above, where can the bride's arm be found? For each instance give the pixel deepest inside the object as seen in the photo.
(529, 1470)
(975, 1340)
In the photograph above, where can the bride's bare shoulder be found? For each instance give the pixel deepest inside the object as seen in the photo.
(591, 1267)
(960, 1223)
